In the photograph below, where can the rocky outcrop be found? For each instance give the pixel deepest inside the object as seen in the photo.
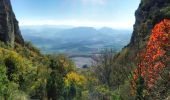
(149, 13)
(9, 29)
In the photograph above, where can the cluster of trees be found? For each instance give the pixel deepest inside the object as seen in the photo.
(106, 78)
(148, 81)
(27, 74)
(151, 77)
(64, 82)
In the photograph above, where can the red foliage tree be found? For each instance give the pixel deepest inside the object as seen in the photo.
(155, 56)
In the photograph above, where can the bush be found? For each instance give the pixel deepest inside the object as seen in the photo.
(30, 46)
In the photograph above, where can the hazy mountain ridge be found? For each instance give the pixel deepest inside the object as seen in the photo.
(77, 39)
(27, 74)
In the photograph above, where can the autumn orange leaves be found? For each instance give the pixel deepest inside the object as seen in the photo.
(154, 57)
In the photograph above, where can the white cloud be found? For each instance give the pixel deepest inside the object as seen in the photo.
(76, 23)
(94, 1)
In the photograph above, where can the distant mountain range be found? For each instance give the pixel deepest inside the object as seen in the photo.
(75, 40)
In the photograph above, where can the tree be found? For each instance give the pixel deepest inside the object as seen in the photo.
(74, 85)
(103, 66)
(60, 65)
(55, 86)
(55, 81)
(154, 59)
(107, 70)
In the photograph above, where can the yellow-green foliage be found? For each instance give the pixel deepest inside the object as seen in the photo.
(21, 72)
(66, 63)
(64, 82)
(123, 54)
(165, 11)
(18, 95)
(16, 62)
(74, 85)
(104, 93)
(145, 2)
(27, 74)
(76, 78)
(13, 67)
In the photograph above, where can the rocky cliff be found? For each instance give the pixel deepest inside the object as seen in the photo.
(149, 13)
(9, 29)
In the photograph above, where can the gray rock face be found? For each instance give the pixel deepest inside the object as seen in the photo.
(149, 13)
(9, 29)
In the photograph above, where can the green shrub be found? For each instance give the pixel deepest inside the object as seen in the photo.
(30, 46)
(165, 11)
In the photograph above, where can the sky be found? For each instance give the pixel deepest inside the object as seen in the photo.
(118, 14)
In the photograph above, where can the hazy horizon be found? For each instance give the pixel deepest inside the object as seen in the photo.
(85, 13)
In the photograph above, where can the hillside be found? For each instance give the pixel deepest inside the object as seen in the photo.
(149, 14)
(140, 71)
(27, 74)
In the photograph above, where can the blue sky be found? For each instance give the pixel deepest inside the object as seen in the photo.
(94, 13)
